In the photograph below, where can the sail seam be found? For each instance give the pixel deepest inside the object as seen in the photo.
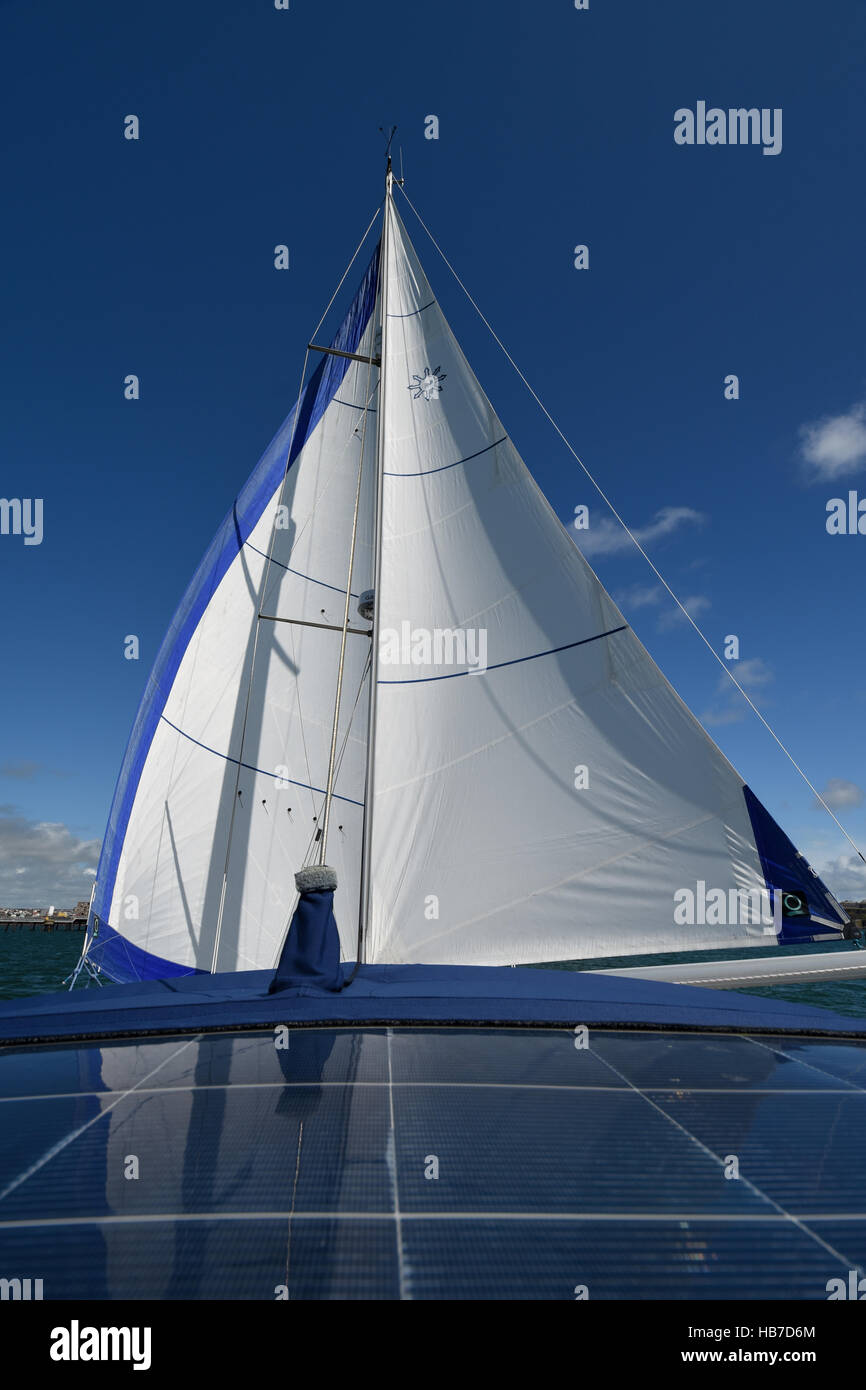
(515, 661)
(250, 767)
(413, 312)
(352, 406)
(425, 471)
(299, 573)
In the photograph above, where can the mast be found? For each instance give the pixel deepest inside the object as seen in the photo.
(367, 833)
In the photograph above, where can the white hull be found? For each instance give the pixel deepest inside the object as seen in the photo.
(767, 970)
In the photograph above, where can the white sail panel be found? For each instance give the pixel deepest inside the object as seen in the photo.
(485, 851)
(288, 720)
(224, 777)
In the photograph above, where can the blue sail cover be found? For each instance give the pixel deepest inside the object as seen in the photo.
(311, 955)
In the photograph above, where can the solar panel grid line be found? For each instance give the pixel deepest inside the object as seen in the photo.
(292, 1211)
(76, 1133)
(405, 1293)
(770, 1218)
(780, 1052)
(841, 1090)
(836, 1254)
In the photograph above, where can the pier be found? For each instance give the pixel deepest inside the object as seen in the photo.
(44, 919)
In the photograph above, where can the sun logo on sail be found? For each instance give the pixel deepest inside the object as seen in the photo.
(428, 384)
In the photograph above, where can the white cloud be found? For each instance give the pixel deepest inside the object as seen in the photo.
(607, 537)
(23, 770)
(845, 876)
(639, 596)
(751, 674)
(836, 444)
(43, 862)
(839, 792)
(647, 595)
(694, 605)
(732, 715)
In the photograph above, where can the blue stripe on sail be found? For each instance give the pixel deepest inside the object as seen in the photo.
(412, 314)
(232, 535)
(250, 767)
(122, 960)
(308, 577)
(425, 471)
(515, 661)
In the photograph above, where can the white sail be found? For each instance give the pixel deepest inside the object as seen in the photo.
(222, 788)
(539, 791)
(550, 806)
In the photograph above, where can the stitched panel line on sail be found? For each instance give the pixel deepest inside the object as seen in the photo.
(515, 661)
(413, 312)
(424, 471)
(280, 565)
(249, 767)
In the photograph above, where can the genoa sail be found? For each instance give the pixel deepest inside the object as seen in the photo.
(535, 789)
(489, 846)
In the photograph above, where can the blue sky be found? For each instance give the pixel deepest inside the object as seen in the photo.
(556, 127)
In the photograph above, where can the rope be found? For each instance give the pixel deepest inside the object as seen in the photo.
(725, 667)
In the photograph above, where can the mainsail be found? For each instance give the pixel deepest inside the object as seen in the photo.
(535, 788)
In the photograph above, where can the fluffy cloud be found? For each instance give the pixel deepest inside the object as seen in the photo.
(22, 771)
(650, 595)
(43, 862)
(836, 444)
(753, 674)
(607, 537)
(839, 792)
(639, 596)
(694, 605)
(845, 876)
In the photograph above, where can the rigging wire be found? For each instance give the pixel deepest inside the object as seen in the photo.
(725, 667)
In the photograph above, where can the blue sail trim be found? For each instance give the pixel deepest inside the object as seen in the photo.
(786, 870)
(125, 962)
(223, 550)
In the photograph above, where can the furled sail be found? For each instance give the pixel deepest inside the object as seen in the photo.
(537, 790)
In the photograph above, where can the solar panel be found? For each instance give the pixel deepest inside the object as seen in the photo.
(433, 1163)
